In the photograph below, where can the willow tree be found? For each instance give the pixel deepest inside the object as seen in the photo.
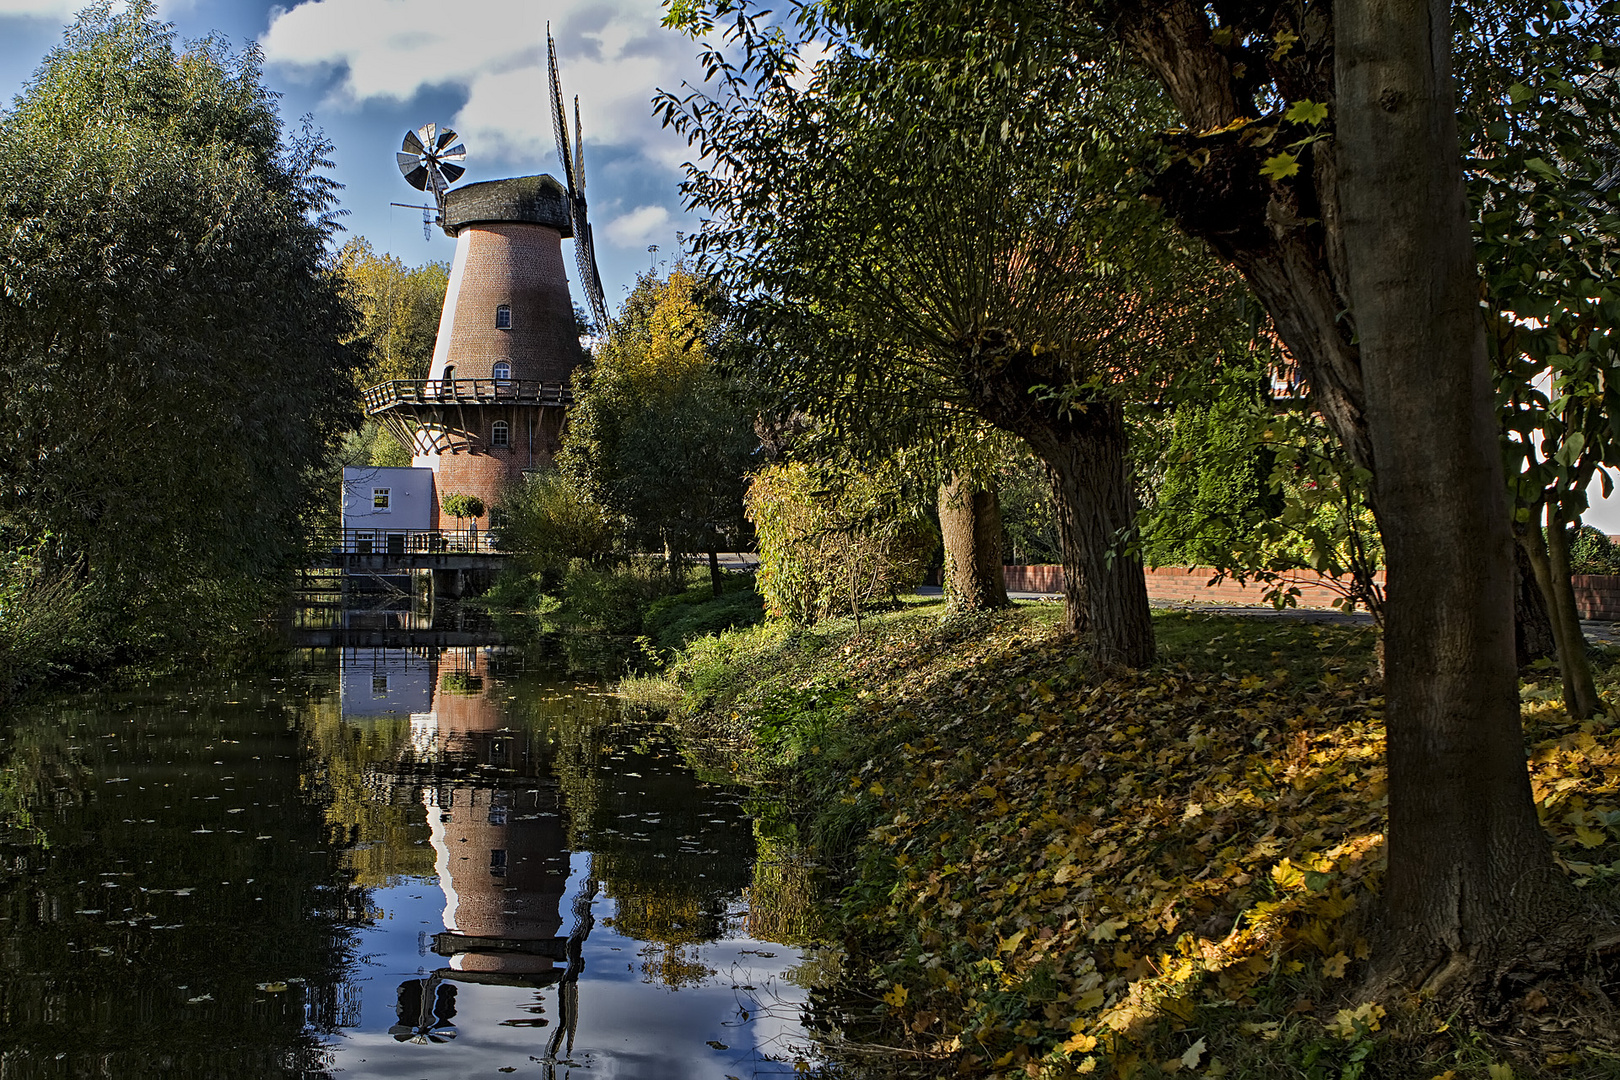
(170, 328)
(912, 282)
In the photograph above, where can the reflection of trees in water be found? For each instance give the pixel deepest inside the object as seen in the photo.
(180, 844)
(781, 897)
(674, 966)
(383, 829)
(41, 777)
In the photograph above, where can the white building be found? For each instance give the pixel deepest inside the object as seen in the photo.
(382, 506)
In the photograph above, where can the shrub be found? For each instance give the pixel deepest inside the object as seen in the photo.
(835, 541)
(1592, 552)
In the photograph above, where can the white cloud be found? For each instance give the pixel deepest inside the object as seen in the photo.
(643, 225)
(613, 55)
(40, 9)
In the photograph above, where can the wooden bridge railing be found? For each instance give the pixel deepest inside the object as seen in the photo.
(406, 542)
(409, 392)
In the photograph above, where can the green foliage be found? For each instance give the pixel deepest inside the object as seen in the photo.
(1541, 119)
(547, 520)
(1308, 511)
(460, 505)
(399, 310)
(1028, 516)
(1592, 552)
(657, 437)
(672, 622)
(45, 622)
(835, 540)
(1214, 487)
(170, 329)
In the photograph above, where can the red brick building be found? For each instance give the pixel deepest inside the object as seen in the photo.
(493, 404)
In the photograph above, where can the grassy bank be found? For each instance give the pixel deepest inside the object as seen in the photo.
(1042, 872)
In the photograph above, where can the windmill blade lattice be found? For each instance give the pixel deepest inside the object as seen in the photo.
(431, 159)
(573, 165)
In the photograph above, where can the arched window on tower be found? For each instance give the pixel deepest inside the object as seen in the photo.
(502, 371)
(503, 317)
(500, 434)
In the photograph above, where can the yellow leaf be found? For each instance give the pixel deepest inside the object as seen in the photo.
(1588, 836)
(1500, 1072)
(876, 788)
(1280, 166)
(1089, 1000)
(1108, 930)
(1079, 1044)
(896, 996)
(1335, 965)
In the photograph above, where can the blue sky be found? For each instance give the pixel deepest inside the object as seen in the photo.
(368, 70)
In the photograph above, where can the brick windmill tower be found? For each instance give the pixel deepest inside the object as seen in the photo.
(494, 403)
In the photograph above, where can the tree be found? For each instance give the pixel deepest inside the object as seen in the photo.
(399, 311)
(170, 326)
(460, 505)
(658, 436)
(836, 536)
(911, 287)
(1469, 866)
(1279, 105)
(1545, 141)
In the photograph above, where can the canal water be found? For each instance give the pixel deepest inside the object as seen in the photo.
(437, 861)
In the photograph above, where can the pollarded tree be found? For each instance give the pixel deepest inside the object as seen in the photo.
(907, 283)
(170, 326)
(658, 436)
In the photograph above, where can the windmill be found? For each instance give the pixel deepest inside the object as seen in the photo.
(574, 177)
(431, 159)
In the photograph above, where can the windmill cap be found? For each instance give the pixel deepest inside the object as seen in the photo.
(533, 200)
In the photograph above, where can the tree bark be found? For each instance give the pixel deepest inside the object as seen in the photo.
(1580, 692)
(1082, 444)
(1470, 870)
(715, 578)
(1532, 627)
(970, 525)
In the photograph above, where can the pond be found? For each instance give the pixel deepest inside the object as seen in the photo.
(392, 862)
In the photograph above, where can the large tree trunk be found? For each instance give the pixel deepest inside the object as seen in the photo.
(1095, 505)
(970, 525)
(1082, 444)
(1470, 870)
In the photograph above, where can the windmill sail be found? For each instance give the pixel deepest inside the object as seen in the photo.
(573, 165)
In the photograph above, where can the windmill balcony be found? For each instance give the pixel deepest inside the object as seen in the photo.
(411, 392)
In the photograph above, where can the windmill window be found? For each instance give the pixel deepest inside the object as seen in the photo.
(500, 434)
(503, 317)
(503, 371)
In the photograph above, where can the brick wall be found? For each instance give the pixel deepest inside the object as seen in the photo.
(1190, 585)
(1597, 596)
(519, 265)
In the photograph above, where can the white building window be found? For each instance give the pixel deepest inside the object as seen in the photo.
(503, 317)
(502, 371)
(500, 434)
(380, 498)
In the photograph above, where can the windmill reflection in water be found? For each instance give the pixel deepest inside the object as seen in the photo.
(497, 826)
